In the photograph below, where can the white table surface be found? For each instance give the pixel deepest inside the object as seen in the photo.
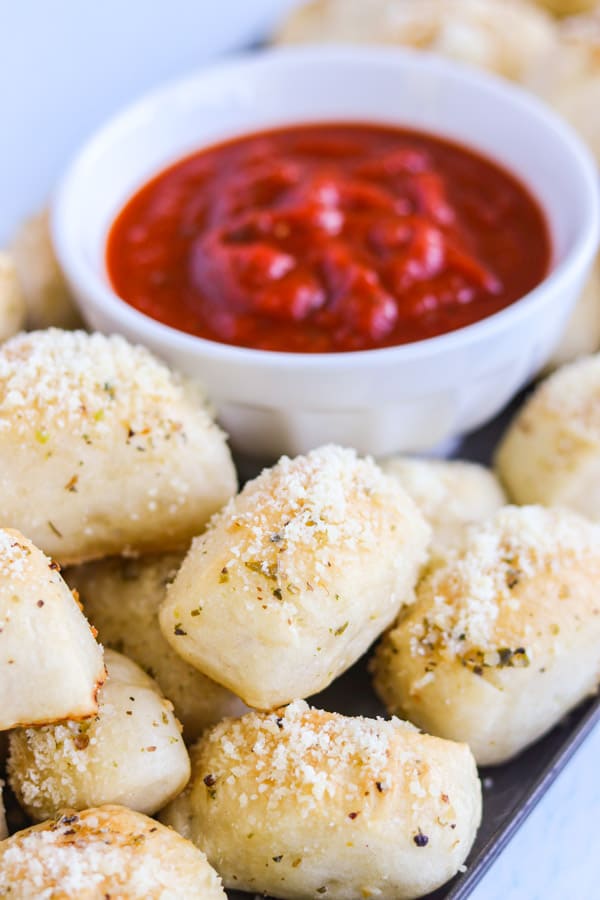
(65, 65)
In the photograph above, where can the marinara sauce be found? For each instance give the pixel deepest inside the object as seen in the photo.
(328, 238)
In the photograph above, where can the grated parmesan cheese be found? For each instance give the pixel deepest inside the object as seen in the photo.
(104, 852)
(71, 380)
(286, 522)
(304, 802)
(308, 754)
(470, 588)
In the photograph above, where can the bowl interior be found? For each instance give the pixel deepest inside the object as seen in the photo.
(282, 87)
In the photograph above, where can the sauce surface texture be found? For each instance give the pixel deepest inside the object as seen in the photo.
(328, 238)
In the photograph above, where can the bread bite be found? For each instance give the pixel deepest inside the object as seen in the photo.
(504, 637)
(582, 334)
(449, 493)
(550, 453)
(300, 802)
(50, 664)
(12, 303)
(132, 753)
(573, 84)
(108, 852)
(296, 577)
(509, 37)
(111, 451)
(122, 598)
(47, 296)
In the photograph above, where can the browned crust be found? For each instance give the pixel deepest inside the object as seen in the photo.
(72, 716)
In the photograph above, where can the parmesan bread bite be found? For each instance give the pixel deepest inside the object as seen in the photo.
(299, 803)
(47, 296)
(508, 37)
(111, 452)
(132, 753)
(296, 577)
(504, 638)
(12, 303)
(108, 852)
(551, 451)
(449, 493)
(582, 334)
(50, 665)
(122, 598)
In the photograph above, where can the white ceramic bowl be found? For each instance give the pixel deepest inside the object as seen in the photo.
(407, 398)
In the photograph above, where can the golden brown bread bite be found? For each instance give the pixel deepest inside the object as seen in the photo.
(504, 637)
(509, 37)
(449, 493)
(122, 598)
(296, 577)
(300, 802)
(12, 303)
(50, 664)
(47, 295)
(550, 453)
(132, 753)
(108, 852)
(112, 452)
(582, 334)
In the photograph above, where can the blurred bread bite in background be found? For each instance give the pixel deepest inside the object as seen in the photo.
(509, 37)
(12, 300)
(572, 85)
(550, 453)
(451, 493)
(48, 299)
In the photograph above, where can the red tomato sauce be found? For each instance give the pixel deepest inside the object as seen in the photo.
(328, 238)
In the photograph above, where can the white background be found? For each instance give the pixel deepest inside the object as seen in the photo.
(65, 65)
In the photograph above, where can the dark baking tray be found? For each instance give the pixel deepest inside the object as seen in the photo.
(510, 791)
